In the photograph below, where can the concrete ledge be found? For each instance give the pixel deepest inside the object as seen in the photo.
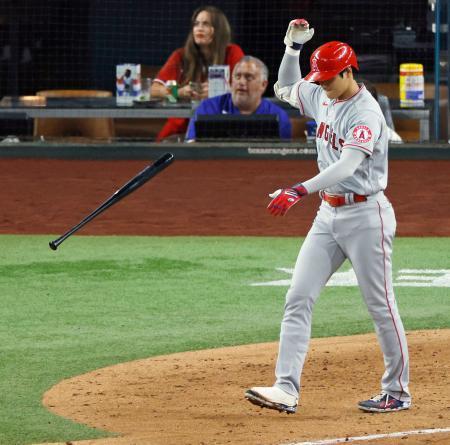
(249, 150)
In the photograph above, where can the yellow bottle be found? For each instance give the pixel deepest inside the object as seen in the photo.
(411, 85)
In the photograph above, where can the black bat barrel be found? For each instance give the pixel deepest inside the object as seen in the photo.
(132, 185)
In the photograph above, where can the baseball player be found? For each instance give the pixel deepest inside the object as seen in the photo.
(355, 219)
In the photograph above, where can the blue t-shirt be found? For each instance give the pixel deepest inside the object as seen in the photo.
(224, 105)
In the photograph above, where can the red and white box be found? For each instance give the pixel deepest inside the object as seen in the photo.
(128, 83)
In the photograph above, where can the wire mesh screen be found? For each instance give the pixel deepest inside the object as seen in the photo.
(77, 44)
(69, 44)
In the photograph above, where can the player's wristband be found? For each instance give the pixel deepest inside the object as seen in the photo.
(297, 46)
(291, 51)
(300, 189)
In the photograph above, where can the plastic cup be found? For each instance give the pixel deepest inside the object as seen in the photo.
(146, 89)
(195, 87)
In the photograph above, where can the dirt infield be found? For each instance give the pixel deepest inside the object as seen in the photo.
(226, 197)
(197, 398)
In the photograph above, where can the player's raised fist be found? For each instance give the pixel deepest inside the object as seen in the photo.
(298, 33)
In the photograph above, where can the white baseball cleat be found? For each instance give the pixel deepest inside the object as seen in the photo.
(272, 397)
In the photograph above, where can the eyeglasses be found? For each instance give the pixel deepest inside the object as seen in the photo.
(247, 76)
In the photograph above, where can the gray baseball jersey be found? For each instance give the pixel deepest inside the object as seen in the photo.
(362, 232)
(356, 123)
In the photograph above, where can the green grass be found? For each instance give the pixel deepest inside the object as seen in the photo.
(104, 300)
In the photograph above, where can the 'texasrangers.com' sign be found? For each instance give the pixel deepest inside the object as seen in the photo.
(281, 151)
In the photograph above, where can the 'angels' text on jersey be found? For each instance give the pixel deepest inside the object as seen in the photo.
(355, 123)
(324, 131)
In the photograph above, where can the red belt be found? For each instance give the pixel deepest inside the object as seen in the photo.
(342, 200)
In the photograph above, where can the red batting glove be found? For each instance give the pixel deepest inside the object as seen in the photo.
(284, 199)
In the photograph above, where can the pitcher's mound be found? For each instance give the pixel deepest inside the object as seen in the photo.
(198, 397)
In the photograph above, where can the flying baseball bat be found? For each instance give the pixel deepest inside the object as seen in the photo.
(132, 185)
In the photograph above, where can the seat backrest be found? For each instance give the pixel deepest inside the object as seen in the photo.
(386, 109)
(90, 128)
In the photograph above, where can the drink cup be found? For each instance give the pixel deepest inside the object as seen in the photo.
(172, 86)
(146, 89)
(197, 88)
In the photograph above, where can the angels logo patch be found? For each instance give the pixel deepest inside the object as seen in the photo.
(362, 134)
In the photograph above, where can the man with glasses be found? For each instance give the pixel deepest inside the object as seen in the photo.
(249, 82)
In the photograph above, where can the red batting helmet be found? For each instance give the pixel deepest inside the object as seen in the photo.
(329, 60)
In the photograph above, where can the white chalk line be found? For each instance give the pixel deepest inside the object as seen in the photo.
(373, 437)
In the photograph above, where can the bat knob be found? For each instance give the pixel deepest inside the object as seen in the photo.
(52, 245)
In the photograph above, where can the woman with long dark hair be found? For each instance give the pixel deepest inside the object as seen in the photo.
(208, 43)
